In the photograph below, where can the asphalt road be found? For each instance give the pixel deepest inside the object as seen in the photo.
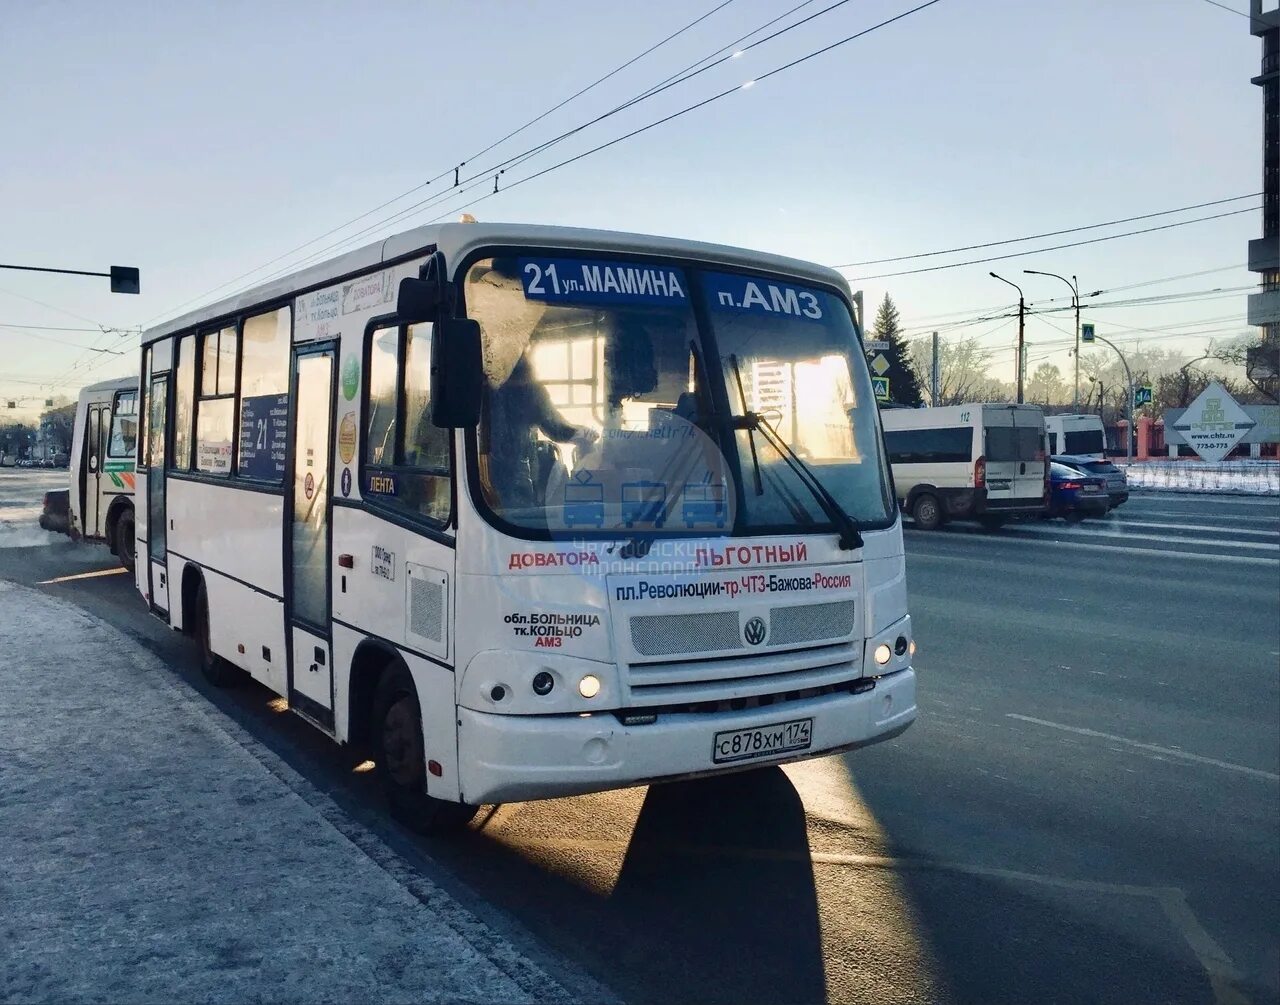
(1087, 810)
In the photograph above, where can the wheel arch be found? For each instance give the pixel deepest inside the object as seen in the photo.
(117, 509)
(192, 578)
(918, 490)
(370, 660)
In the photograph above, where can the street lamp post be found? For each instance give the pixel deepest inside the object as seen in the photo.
(1128, 434)
(1022, 322)
(1074, 284)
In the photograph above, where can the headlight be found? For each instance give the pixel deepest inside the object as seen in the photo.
(900, 646)
(589, 686)
(543, 682)
(883, 653)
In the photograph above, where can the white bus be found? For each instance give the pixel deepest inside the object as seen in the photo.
(103, 446)
(371, 486)
(1080, 436)
(983, 462)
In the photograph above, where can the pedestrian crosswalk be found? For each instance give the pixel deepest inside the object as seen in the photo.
(1204, 527)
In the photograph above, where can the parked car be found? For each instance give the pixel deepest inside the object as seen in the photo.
(56, 515)
(1074, 495)
(1117, 482)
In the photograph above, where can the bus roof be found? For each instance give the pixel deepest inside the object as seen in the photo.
(114, 384)
(457, 240)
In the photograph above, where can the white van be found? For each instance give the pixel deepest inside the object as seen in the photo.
(1077, 435)
(982, 462)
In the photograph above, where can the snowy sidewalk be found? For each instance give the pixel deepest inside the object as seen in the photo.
(150, 850)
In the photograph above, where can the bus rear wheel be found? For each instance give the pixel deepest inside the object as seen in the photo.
(400, 756)
(126, 546)
(216, 670)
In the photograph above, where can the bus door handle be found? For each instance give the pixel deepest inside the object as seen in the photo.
(1022, 470)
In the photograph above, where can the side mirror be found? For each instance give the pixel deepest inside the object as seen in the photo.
(457, 372)
(418, 300)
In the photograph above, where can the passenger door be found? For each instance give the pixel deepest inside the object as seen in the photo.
(308, 538)
(93, 453)
(157, 521)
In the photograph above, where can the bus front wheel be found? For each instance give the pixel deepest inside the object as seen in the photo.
(400, 756)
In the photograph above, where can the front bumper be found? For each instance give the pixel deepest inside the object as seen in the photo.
(509, 758)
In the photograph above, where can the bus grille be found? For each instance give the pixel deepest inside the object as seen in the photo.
(719, 631)
(670, 634)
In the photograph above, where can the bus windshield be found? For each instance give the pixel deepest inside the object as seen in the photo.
(599, 408)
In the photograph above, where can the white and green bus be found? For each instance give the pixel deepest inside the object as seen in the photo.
(422, 492)
(103, 448)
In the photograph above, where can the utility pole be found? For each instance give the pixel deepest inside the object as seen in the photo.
(936, 382)
(1022, 326)
(1074, 284)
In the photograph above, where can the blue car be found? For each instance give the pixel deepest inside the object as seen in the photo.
(1074, 495)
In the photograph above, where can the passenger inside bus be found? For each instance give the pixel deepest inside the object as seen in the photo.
(517, 410)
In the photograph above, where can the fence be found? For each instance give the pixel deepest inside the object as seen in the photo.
(1243, 477)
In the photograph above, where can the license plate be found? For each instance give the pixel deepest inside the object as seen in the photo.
(762, 741)
(1091, 488)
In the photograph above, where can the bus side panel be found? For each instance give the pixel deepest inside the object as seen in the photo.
(241, 618)
(395, 576)
(233, 531)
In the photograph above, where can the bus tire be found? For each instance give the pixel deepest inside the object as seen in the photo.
(399, 754)
(216, 670)
(126, 545)
(927, 512)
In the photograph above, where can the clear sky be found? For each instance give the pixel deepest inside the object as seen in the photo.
(199, 140)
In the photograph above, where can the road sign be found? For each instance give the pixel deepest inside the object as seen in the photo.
(1214, 423)
(1086, 333)
(880, 385)
(1142, 396)
(875, 345)
(880, 365)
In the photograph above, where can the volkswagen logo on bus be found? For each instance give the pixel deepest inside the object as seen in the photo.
(755, 630)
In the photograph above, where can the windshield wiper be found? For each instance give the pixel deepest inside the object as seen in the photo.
(850, 535)
(751, 430)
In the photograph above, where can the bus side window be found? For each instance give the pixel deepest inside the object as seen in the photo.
(124, 425)
(217, 385)
(184, 396)
(401, 442)
(384, 356)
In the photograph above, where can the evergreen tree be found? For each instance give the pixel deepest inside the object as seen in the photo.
(904, 386)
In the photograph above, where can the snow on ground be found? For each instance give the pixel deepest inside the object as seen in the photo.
(21, 500)
(1235, 477)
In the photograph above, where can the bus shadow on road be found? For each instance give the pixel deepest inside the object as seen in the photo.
(721, 867)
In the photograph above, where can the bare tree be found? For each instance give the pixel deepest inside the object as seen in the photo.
(963, 375)
(1236, 354)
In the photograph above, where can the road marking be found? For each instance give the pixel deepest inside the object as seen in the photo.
(1197, 526)
(1217, 965)
(1166, 751)
(1029, 532)
(1111, 549)
(84, 575)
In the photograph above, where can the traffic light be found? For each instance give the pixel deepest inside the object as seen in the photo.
(125, 279)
